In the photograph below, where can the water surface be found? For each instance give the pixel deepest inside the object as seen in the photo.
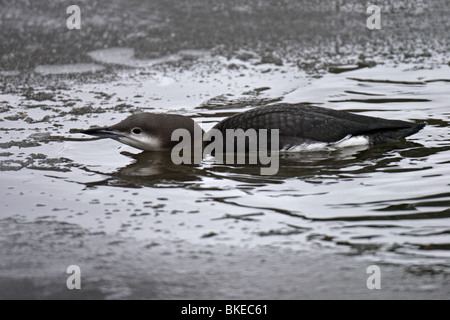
(389, 202)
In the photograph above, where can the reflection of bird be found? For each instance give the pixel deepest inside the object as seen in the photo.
(298, 124)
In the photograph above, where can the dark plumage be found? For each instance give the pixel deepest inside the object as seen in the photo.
(300, 123)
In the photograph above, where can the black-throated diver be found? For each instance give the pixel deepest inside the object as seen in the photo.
(298, 124)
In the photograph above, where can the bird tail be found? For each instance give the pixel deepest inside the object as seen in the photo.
(386, 136)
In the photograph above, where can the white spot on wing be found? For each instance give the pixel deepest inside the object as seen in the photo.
(319, 146)
(350, 141)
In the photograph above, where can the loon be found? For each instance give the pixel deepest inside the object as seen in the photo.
(298, 124)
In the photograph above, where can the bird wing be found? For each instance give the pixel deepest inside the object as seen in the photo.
(305, 121)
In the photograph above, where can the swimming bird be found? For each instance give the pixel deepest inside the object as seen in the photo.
(298, 124)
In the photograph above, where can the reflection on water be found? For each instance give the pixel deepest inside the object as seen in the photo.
(389, 201)
(149, 169)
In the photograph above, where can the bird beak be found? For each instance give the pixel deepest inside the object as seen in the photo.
(103, 133)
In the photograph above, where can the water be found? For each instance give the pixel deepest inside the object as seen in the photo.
(388, 203)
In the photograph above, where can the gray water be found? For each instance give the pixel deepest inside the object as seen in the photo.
(390, 201)
(141, 227)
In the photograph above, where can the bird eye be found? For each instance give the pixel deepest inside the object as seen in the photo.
(136, 130)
